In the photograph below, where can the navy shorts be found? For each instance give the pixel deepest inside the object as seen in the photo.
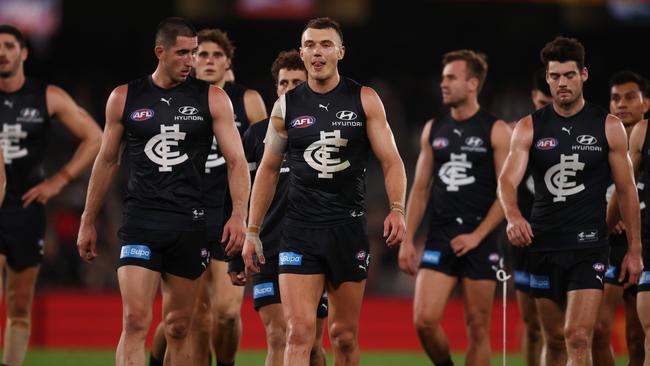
(22, 232)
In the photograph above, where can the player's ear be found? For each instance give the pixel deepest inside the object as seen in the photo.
(473, 83)
(646, 104)
(23, 54)
(341, 52)
(584, 73)
(159, 50)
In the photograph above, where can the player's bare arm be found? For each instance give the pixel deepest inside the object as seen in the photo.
(103, 172)
(266, 181)
(622, 173)
(519, 231)
(223, 126)
(255, 108)
(63, 108)
(417, 201)
(500, 138)
(383, 145)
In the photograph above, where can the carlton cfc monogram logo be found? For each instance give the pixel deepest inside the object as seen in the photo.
(319, 154)
(10, 139)
(454, 172)
(158, 148)
(557, 177)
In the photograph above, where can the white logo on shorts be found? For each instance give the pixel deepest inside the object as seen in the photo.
(158, 148)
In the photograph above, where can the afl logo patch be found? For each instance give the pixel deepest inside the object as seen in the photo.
(440, 143)
(302, 122)
(547, 143)
(142, 114)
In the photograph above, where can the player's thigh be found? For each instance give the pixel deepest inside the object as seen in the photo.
(611, 299)
(272, 317)
(179, 294)
(582, 308)
(551, 317)
(478, 297)
(227, 297)
(643, 309)
(300, 295)
(527, 307)
(432, 290)
(138, 288)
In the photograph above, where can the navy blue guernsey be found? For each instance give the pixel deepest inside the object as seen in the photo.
(271, 232)
(216, 182)
(464, 182)
(570, 165)
(168, 135)
(328, 151)
(24, 137)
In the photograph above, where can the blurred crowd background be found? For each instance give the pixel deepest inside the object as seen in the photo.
(89, 47)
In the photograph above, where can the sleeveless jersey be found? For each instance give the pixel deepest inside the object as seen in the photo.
(24, 136)
(464, 182)
(168, 133)
(271, 232)
(216, 181)
(328, 150)
(570, 166)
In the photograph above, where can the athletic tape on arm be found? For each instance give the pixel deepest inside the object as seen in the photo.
(273, 140)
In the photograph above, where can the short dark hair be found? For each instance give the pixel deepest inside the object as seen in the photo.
(171, 28)
(219, 37)
(324, 23)
(289, 60)
(627, 76)
(476, 63)
(10, 29)
(563, 49)
(539, 82)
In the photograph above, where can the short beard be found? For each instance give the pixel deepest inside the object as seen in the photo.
(6, 74)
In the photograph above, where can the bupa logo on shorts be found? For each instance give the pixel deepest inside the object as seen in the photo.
(142, 114)
(135, 251)
(587, 236)
(522, 278)
(611, 272)
(645, 278)
(263, 290)
(599, 267)
(440, 143)
(547, 143)
(540, 282)
(431, 256)
(302, 122)
(290, 259)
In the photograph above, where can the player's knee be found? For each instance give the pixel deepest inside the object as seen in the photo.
(478, 328)
(425, 324)
(227, 318)
(19, 303)
(533, 332)
(344, 337)
(602, 333)
(276, 339)
(577, 338)
(136, 322)
(202, 319)
(177, 324)
(300, 331)
(555, 342)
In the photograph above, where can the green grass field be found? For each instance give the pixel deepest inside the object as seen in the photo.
(44, 357)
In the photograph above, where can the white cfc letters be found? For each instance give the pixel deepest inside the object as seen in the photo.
(10, 137)
(319, 154)
(454, 172)
(159, 148)
(557, 177)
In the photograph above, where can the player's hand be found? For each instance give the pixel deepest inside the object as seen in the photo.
(407, 258)
(463, 243)
(519, 232)
(238, 278)
(619, 228)
(86, 241)
(253, 247)
(234, 232)
(394, 228)
(632, 266)
(45, 190)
